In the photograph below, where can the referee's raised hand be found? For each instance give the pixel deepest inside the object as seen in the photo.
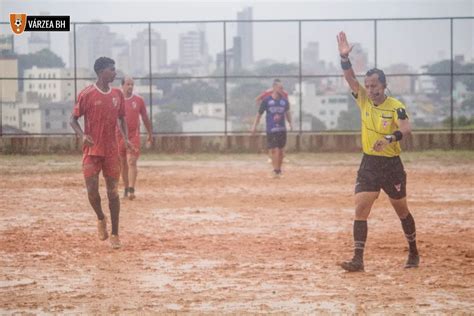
(343, 45)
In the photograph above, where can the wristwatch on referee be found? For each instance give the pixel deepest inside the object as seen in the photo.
(389, 138)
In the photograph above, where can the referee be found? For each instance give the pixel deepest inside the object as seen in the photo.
(384, 122)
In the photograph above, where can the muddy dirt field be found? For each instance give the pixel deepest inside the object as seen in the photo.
(216, 234)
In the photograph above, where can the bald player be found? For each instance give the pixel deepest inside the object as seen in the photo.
(261, 97)
(134, 108)
(277, 113)
(384, 123)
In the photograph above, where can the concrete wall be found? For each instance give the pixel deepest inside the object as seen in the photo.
(341, 142)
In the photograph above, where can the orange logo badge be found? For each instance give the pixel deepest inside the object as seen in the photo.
(18, 22)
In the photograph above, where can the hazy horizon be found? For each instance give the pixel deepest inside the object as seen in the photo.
(416, 41)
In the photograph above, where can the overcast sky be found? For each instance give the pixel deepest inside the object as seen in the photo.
(154, 10)
(404, 38)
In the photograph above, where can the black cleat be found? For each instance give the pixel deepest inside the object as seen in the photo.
(353, 266)
(125, 193)
(413, 261)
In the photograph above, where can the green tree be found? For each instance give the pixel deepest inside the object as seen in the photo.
(277, 69)
(350, 119)
(460, 122)
(166, 85)
(41, 59)
(242, 98)
(468, 80)
(166, 122)
(316, 123)
(182, 97)
(468, 104)
(443, 83)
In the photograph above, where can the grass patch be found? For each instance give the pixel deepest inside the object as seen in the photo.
(443, 156)
(464, 155)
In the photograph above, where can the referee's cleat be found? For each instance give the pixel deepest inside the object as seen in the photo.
(353, 266)
(413, 261)
(125, 193)
(131, 194)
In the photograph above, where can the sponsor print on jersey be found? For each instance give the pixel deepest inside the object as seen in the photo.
(276, 109)
(277, 118)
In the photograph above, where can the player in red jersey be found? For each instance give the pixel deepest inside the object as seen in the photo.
(102, 106)
(134, 108)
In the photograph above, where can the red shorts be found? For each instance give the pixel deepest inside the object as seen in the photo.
(123, 151)
(92, 165)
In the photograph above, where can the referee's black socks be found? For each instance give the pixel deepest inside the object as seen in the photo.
(408, 225)
(360, 237)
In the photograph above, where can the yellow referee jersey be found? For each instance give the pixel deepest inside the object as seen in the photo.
(378, 121)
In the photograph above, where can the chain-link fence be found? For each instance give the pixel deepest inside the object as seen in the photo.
(203, 76)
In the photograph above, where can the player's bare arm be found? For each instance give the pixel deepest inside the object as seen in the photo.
(344, 51)
(86, 139)
(259, 99)
(255, 123)
(288, 118)
(147, 123)
(124, 131)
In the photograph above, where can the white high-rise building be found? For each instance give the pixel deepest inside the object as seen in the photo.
(92, 41)
(139, 62)
(39, 40)
(121, 55)
(209, 109)
(326, 108)
(311, 57)
(359, 59)
(193, 49)
(245, 32)
(39, 117)
(8, 69)
(48, 88)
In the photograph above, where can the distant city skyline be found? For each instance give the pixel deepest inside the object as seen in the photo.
(278, 41)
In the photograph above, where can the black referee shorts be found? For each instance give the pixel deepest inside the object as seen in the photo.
(276, 140)
(386, 173)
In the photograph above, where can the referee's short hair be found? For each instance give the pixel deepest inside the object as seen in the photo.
(380, 73)
(101, 63)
